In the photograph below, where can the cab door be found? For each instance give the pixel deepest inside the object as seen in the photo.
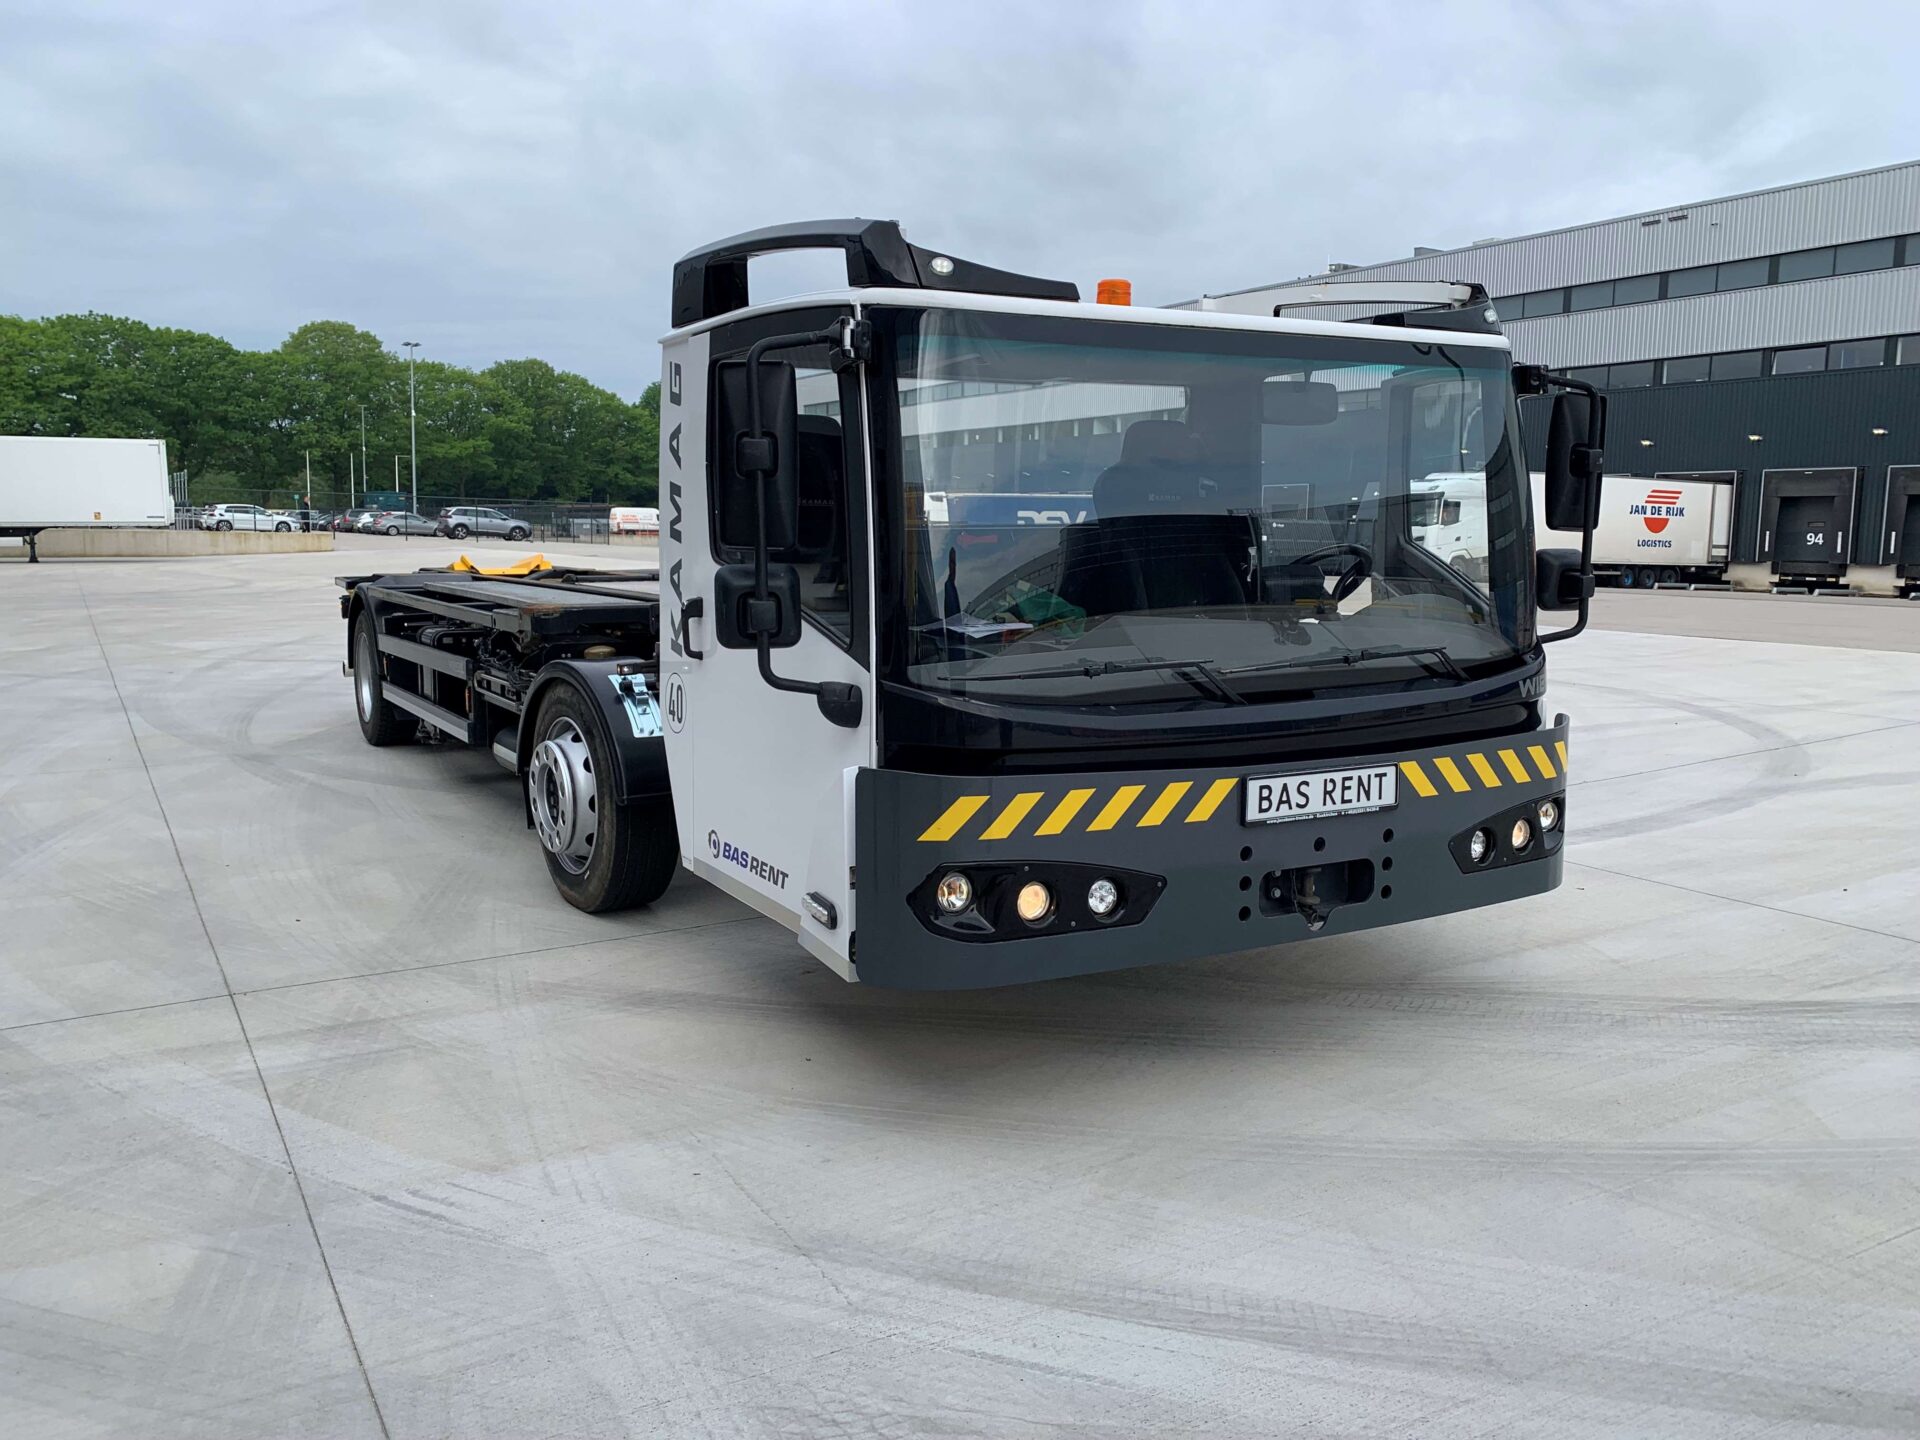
(762, 779)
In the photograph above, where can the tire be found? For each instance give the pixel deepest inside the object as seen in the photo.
(460, 532)
(393, 529)
(517, 533)
(282, 529)
(1669, 576)
(223, 525)
(1628, 578)
(602, 855)
(381, 723)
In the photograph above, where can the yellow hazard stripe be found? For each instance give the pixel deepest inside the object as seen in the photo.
(1560, 749)
(1538, 754)
(1008, 820)
(1450, 773)
(1210, 801)
(956, 815)
(1418, 778)
(1110, 814)
(1163, 803)
(1514, 767)
(1485, 771)
(1064, 812)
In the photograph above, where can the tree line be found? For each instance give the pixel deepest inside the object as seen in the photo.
(247, 423)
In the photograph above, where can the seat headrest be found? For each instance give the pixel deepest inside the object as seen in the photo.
(1159, 442)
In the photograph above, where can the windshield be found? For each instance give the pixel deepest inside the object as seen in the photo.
(1101, 513)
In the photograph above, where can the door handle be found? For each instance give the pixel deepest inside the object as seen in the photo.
(689, 612)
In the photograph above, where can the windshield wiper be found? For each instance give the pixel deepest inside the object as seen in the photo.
(1442, 661)
(1199, 674)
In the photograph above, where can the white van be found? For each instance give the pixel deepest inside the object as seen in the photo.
(634, 520)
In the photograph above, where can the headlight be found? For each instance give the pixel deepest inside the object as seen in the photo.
(954, 893)
(1102, 896)
(1479, 846)
(1549, 814)
(1522, 835)
(1034, 902)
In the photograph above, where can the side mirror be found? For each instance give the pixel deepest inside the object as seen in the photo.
(1573, 465)
(1299, 402)
(744, 461)
(740, 621)
(1559, 582)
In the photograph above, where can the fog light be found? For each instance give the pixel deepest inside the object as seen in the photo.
(1522, 835)
(1479, 846)
(1102, 896)
(955, 893)
(1034, 903)
(1549, 814)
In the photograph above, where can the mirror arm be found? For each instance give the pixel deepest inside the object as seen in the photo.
(838, 701)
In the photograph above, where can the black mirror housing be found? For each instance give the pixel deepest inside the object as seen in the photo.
(1559, 582)
(1572, 480)
(740, 621)
(744, 460)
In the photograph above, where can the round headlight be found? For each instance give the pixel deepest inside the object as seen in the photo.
(954, 893)
(1522, 835)
(1479, 846)
(1549, 814)
(1034, 903)
(1102, 897)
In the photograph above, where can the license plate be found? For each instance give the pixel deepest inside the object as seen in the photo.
(1272, 798)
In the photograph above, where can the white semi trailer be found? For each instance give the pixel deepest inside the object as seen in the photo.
(60, 482)
(1655, 530)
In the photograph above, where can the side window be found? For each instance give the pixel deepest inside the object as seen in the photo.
(826, 550)
(1450, 513)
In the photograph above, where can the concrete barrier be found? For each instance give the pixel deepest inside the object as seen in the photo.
(102, 544)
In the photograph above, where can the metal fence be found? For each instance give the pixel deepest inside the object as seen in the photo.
(574, 523)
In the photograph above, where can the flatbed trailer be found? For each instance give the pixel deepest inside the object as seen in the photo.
(1163, 725)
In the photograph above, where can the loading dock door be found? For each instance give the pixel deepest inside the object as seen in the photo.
(1901, 537)
(1806, 519)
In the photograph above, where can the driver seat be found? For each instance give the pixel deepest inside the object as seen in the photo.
(1152, 545)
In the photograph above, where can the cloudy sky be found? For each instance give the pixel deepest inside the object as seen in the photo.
(507, 180)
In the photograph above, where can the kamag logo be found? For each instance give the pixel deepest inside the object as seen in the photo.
(1658, 508)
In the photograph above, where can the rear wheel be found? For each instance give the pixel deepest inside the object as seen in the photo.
(601, 854)
(1669, 576)
(381, 723)
(393, 529)
(1628, 578)
(460, 532)
(223, 525)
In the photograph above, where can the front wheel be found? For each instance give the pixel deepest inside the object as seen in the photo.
(282, 529)
(517, 534)
(460, 532)
(601, 854)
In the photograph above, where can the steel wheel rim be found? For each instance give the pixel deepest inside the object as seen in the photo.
(363, 675)
(560, 793)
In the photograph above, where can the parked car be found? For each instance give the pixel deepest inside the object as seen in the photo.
(461, 521)
(351, 519)
(401, 522)
(244, 517)
(310, 519)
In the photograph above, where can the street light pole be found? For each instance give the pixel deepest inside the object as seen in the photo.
(413, 432)
(363, 457)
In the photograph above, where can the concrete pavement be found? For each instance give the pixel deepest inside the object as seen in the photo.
(323, 1116)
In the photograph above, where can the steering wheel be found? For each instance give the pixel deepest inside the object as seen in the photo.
(1349, 579)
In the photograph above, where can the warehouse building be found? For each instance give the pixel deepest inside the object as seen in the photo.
(1772, 337)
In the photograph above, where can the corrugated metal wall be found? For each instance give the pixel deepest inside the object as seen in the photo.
(1820, 212)
(1804, 421)
(1807, 312)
